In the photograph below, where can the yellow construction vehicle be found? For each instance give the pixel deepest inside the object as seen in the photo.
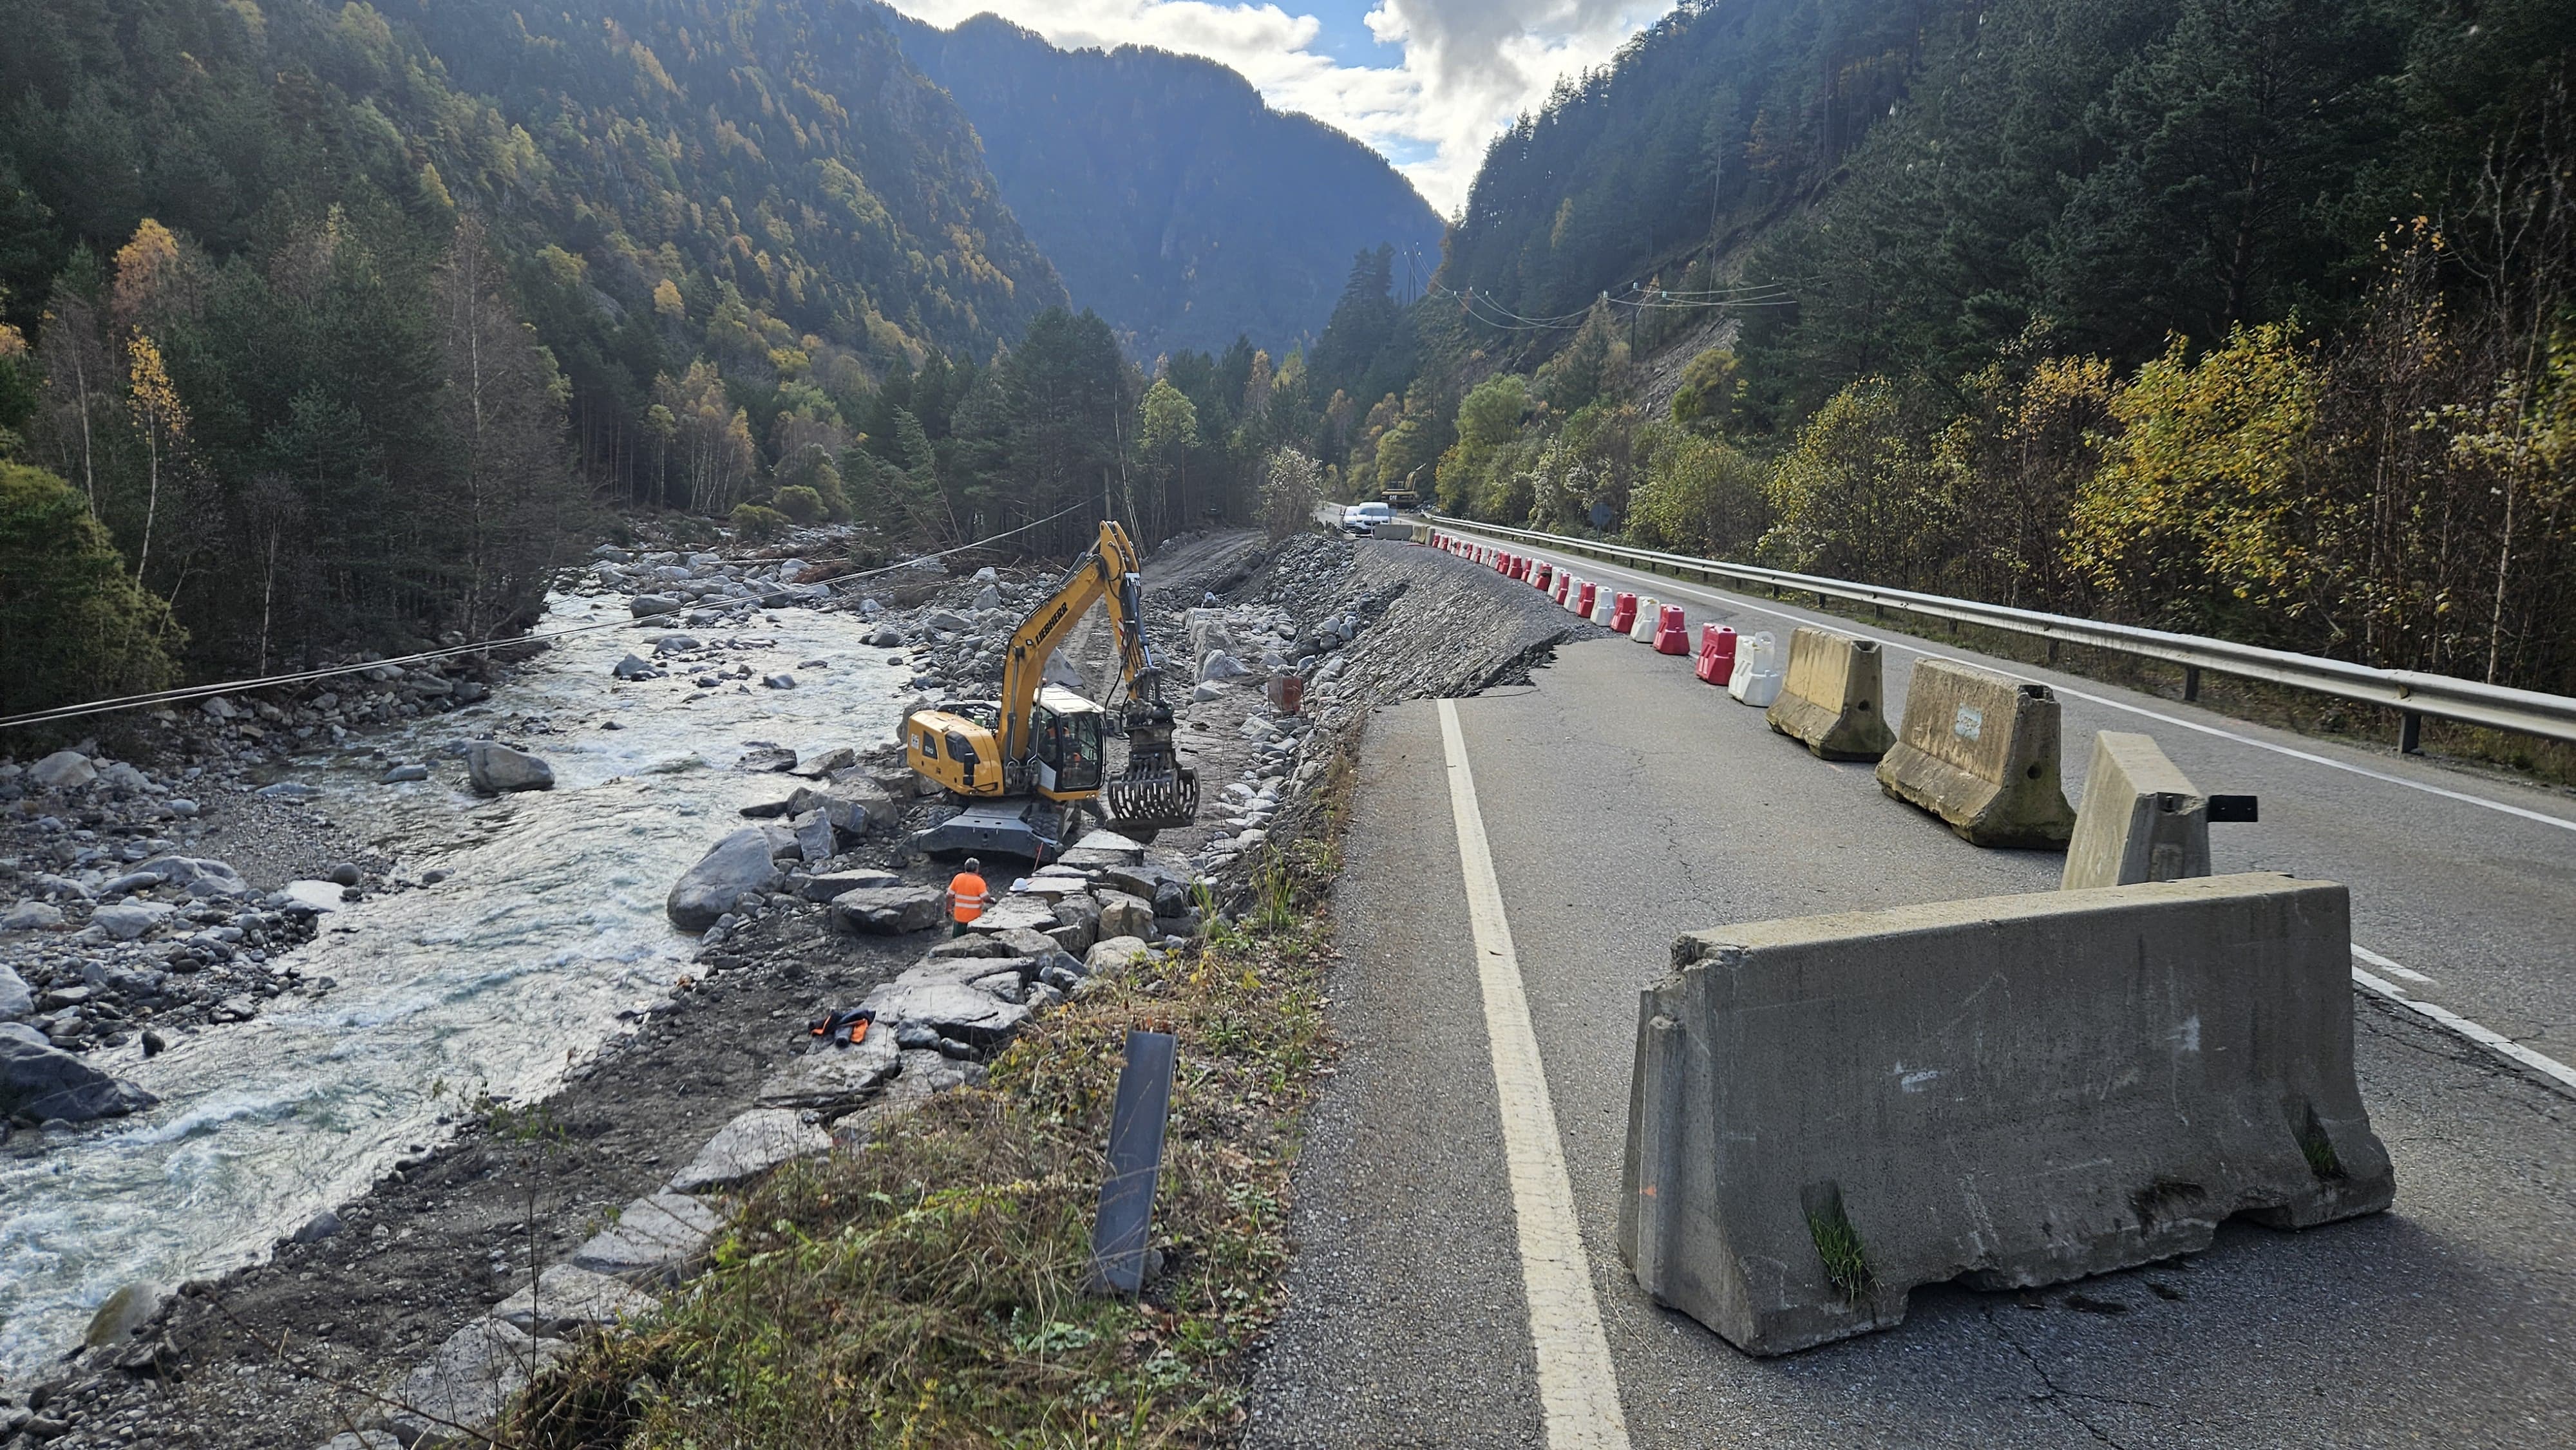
(1027, 766)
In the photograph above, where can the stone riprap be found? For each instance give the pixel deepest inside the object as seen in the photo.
(832, 1076)
(889, 910)
(458, 1396)
(751, 1144)
(2012, 1091)
(657, 1239)
(567, 1298)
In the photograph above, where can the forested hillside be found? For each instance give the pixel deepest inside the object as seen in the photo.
(2251, 318)
(338, 319)
(1173, 201)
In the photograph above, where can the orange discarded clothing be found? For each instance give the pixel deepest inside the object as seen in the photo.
(967, 897)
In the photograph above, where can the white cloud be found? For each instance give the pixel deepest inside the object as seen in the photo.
(1467, 67)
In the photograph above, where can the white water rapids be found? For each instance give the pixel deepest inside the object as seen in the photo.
(496, 980)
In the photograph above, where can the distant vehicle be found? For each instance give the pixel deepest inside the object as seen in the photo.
(1401, 498)
(1360, 518)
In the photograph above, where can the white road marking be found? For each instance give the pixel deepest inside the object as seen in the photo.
(1578, 1388)
(1718, 597)
(2403, 974)
(2491, 1040)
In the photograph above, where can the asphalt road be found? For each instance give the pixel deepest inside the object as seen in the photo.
(1625, 803)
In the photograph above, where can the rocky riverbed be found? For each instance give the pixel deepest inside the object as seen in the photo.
(497, 1037)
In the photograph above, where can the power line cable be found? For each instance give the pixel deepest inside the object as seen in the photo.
(187, 693)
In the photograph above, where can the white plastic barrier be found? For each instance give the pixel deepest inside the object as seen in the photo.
(1604, 604)
(1648, 611)
(1760, 667)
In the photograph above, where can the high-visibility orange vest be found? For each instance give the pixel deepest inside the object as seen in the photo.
(966, 896)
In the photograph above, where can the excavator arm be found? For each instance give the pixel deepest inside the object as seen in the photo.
(1155, 790)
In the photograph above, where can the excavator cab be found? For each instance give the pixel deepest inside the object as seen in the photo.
(1067, 730)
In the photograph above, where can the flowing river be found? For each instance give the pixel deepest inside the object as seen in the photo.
(494, 981)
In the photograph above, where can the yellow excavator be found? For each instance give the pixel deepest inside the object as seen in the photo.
(1027, 766)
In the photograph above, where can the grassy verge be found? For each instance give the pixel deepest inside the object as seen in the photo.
(927, 1290)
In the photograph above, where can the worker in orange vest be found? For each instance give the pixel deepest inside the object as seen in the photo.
(967, 896)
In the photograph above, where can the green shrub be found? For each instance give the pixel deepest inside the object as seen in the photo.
(752, 521)
(804, 505)
(73, 624)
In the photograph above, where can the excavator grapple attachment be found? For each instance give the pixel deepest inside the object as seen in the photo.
(1155, 791)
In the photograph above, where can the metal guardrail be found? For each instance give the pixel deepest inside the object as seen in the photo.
(2412, 693)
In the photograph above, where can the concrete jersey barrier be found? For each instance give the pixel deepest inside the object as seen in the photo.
(1980, 750)
(2142, 818)
(1832, 701)
(2019, 1090)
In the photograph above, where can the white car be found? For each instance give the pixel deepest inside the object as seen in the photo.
(1361, 518)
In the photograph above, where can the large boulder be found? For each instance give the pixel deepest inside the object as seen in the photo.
(832, 1077)
(62, 770)
(751, 1144)
(851, 808)
(1078, 924)
(1115, 954)
(654, 1240)
(460, 1394)
(738, 863)
(568, 1298)
(130, 920)
(954, 1010)
(815, 838)
(31, 916)
(16, 1000)
(127, 1311)
(1125, 915)
(495, 768)
(648, 605)
(834, 883)
(197, 875)
(889, 910)
(1015, 913)
(45, 1082)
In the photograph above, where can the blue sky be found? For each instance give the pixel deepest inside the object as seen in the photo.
(1425, 82)
(1346, 36)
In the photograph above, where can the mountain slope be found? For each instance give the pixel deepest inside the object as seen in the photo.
(1714, 122)
(1170, 198)
(264, 266)
(784, 147)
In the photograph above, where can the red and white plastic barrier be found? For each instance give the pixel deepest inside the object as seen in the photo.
(1761, 667)
(1716, 663)
(1672, 636)
(1623, 611)
(1585, 593)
